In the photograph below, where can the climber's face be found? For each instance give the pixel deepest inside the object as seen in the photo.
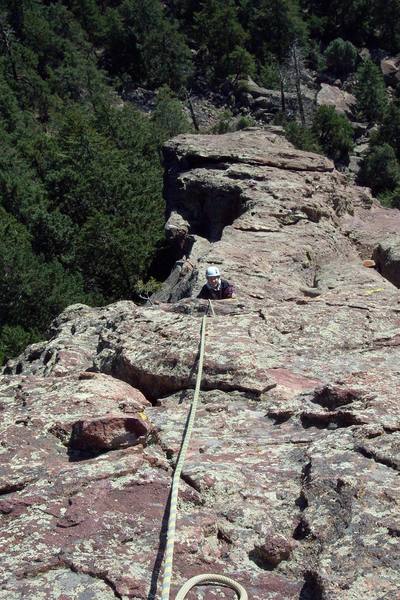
(213, 281)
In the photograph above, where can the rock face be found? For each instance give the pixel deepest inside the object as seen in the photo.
(331, 95)
(390, 67)
(291, 479)
(266, 103)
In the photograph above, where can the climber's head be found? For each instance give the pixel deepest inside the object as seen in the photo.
(213, 276)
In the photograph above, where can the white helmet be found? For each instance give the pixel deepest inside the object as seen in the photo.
(212, 272)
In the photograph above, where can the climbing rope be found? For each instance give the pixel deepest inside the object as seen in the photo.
(208, 578)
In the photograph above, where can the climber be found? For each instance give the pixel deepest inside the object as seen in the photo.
(216, 288)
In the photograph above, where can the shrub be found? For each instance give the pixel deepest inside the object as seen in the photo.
(389, 132)
(370, 92)
(169, 116)
(244, 122)
(302, 137)
(333, 132)
(341, 56)
(14, 339)
(390, 199)
(224, 123)
(380, 169)
(240, 64)
(269, 76)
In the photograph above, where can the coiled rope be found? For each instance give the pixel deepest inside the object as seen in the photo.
(208, 578)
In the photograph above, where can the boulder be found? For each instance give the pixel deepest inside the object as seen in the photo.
(271, 100)
(390, 67)
(387, 258)
(331, 95)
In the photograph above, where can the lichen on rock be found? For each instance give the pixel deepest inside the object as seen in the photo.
(291, 479)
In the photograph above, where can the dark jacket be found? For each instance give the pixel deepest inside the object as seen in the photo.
(225, 291)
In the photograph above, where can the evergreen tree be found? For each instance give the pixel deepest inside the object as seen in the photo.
(380, 170)
(370, 91)
(333, 132)
(386, 19)
(348, 19)
(341, 56)
(138, 34)
(240, 63)
(218, 34)
(32, 292)
(168, 115)
(303, 138)
(389, 131)
(275, 25)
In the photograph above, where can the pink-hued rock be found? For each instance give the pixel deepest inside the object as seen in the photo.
(108, 433)
(290, 483)
(330, 95)
(390, 67)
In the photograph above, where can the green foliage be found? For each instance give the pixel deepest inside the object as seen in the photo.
(391, 199)
(370, 91)
(333, 132)
(168, 116)
(274, 26)
(244, 122)
(348, 19)
(225, 123)
(386, 20)
(74, 169)
(240, 63)
(389, 131)
(316, 59)
(380, 169)
(219, 35)
(14, 339)
(362, 22)
(142, 42)
(341, 56)
(268, 73)
(228, 122)
(301, 137)
(31, 290)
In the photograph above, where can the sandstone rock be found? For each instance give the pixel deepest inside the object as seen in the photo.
(290, 484)
(369, 226)
(390, 67)
(271, 100)
(331, 95)
(387, 258)
(274, 550)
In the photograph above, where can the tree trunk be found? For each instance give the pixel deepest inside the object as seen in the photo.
(192, 113)
(298, 87)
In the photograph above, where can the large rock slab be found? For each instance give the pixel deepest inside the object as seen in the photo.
(390, 67)
(331, 95)
(291, 478)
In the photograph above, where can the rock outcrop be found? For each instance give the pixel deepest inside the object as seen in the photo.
(291, 480)
(342, 101)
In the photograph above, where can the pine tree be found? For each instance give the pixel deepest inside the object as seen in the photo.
(274, 27)
(341, 56)
(380, 169)
(218, 34)
(333, 132)
(389, 131)
(370, 92)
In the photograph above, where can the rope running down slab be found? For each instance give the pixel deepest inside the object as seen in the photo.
(208, 578)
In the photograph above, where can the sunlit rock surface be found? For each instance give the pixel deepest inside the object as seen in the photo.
(291, 480)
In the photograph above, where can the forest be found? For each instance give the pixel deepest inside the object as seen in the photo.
(81, 207)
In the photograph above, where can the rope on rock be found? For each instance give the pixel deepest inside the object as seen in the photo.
(209, 578)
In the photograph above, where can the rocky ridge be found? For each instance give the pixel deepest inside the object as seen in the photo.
(291, 480)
